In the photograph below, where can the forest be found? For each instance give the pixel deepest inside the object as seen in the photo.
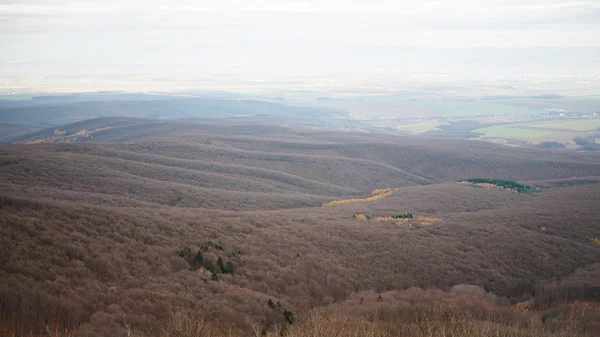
(196, 229)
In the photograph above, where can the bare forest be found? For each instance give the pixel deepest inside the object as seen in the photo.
(146, 228)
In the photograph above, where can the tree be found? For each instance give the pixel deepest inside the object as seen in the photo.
(199, 258)
(289, 317)
(271, 304)
(184, 252)
(221, 265)
(210, 266)
(229, 268)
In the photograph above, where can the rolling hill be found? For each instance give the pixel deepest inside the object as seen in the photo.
(62, 112)
(103, 230)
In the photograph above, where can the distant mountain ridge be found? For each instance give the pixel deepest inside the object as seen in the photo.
(62, 112)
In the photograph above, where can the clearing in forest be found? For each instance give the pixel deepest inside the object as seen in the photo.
(375, 195)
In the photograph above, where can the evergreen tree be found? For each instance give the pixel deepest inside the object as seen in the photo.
(199, 258)
(289, 317)
(184, 252)
(229, 268)
(209, 266)
(221, 265)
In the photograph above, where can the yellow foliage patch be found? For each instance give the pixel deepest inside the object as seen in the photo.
(383, 191)
(427, 221)
(487, 186)
(361, 216)
(81, 133)
(582, 309)
(524, 307)
(39, 141)
(375, 195)
(596, 241)
(390, 219)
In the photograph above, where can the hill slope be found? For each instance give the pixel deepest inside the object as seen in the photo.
(56, 113)
(98, 233)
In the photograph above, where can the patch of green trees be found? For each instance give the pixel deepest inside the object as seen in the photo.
(508, 184)
(197, 260)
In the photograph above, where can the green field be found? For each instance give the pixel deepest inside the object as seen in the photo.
(501, 131)
(462, 108)
(574, 124)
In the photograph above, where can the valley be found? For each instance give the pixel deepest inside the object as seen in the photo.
(118, 232)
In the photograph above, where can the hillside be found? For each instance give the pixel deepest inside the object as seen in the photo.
(51, 113)
(97, 235)
(241, 142)
(13, 131)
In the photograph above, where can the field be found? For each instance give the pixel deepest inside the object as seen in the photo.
(475, 108)
(563, 131)
(512, 132)
(157, 226)
(588, 104)
(576, 125)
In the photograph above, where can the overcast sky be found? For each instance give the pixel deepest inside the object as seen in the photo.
(201, 37)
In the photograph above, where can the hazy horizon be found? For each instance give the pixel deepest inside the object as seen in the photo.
(275, 42)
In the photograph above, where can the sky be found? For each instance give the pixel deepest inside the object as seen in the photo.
(348, 37)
